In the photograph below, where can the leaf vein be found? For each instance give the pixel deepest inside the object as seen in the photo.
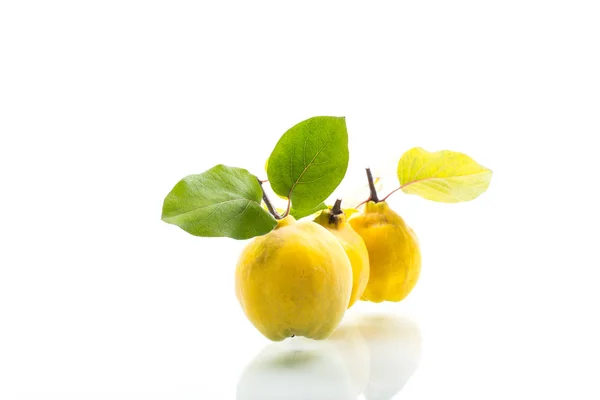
(309, 164)
(238, 214)
(208, 205)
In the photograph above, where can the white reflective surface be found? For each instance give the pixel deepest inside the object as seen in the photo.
(371, 356)
(105, 105)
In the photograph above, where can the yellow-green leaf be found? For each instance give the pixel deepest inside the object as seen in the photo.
(444, 176)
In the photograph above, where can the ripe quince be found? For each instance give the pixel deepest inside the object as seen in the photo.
(394, 254)
(334, 220)
(294, 281)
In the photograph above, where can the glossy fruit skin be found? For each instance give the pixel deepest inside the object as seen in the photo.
(355, 249)
(394, 254)
(294, 281)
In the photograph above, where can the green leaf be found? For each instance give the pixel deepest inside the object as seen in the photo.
(309, 161)
(443, 176)
(305, 213)
(223, 201)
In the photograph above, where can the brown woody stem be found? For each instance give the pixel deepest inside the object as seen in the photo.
(336, 212)
(270, 207)
(373, 196)
(337, 207)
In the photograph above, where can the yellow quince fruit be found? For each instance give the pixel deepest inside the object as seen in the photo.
(294, 281)
(394, 255)
(334, 220)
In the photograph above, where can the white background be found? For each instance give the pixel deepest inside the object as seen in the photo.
(105, 105)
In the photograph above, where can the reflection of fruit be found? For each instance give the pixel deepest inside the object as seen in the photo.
(335, 222)
(296, 369)
(355, 353)
(395, 349)
(394, 255)
(294, 281)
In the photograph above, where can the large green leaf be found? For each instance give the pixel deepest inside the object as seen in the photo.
(305, 213)
(223, 201)
(309, 161)
(444, 176)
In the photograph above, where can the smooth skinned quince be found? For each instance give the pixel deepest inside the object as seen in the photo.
(334, 220)
(394, 255)
(294, 281)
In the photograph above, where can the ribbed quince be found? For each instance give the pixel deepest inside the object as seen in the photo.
(394, 255)
(334, 220)
(294, 281)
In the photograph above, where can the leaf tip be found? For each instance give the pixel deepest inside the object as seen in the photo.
(166, 218)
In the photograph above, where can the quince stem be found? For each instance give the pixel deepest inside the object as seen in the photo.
(373, 197)
(337, 207)
(268, 203)
(392, 192)
(335, 211)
